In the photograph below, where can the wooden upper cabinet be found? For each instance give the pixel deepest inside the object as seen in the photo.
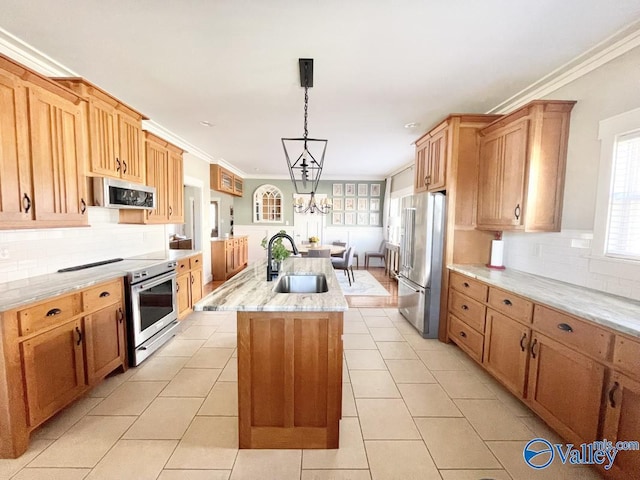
(522, 168)
(431, 160)
(158, 177)
(175, 183)
(16, 192)
(225, 181)
(114, 130)
(56, 154)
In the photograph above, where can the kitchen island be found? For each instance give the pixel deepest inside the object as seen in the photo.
(289, 356)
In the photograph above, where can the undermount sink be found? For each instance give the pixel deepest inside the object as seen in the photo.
(301, 283)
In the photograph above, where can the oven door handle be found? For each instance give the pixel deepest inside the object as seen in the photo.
(153, 282)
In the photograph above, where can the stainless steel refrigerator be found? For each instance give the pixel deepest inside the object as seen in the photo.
(421, 250)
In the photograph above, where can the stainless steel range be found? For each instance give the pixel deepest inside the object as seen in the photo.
(151, 307)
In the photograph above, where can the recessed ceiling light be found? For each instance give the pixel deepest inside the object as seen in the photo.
(206, 123)
(412, 125)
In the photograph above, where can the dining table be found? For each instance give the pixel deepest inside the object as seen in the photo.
(335, 250)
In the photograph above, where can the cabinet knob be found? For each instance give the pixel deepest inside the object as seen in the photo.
(463, 335)
(465, 285)
(464, 307)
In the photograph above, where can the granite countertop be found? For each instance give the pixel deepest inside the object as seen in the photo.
(618, 313)
(23, 292)
(250, 291)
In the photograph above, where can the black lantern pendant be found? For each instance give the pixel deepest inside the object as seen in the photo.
(306, 169)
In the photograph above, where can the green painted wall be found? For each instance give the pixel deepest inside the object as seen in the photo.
(243, 206)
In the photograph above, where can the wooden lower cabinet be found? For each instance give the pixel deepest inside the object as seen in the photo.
(53, 368)
(289, 379)
(105, 345)
(565, 388)
(183, 285)
(622, 422)
(506, 351)
(228, 257)
(189, 283)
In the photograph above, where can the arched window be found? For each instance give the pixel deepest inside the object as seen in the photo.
(267, 204)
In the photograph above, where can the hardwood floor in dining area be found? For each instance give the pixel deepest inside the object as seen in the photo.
(354, 301)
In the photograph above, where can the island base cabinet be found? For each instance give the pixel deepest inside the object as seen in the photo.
(105, 343)
(289, 379)
(565, 388)
(622, 423)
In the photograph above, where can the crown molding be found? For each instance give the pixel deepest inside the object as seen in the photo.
(333, 178)
(401, 169)
(22, 52)
(612, 47)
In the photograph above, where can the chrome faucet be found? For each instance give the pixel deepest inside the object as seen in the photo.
(270, 273)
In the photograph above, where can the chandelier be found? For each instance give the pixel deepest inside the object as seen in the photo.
(306, 169)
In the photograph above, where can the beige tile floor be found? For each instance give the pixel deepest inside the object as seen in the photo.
(412, 409)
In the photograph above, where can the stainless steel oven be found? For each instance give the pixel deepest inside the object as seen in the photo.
(153, 310)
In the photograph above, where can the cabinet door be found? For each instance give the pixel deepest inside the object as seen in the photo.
(157, 175)
(130, 149)
(229, 256)
(225, 181)
(506, 351)
(245, 251)
(183, 286)
(622, 421)
(421, 168)
(16, 193)
(196, 286)
(53, 370)
(104, 342)
(238, 186)
(103, 145)
(56, 153)
(503, 158)
(175, 184)
(437, 161)
(565, 389)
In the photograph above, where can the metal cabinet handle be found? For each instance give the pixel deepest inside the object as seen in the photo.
(427, 180)
(522, 345)
(104, 294)
(463, 335)
(120, 315)
(124, 165)
(465, 285)
(565, 327)
(192, 279)
(84, 206)
(612, 391)
(516, 212)
(118, 164)
(177, 287)
(170, 210)
(79, 341)
(507, 302)
(464, 307)
(533, 347)
(26, 199)
(53, 312)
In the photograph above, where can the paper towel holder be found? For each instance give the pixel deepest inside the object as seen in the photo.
(496, 253)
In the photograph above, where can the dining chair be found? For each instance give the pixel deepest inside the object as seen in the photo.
(355, 253)
(345, 264)
(319, 252)
(379, 254)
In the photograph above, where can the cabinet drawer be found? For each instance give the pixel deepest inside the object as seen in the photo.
(183, 266)
(626, 356)
(195, 261)
(510, 304)
(466, 337)
(49, 313)
(470, 311)
(98, 297)
(585, 337)
(471, 288)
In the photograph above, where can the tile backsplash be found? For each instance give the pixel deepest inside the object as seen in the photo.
(567, 256)
(27, 253)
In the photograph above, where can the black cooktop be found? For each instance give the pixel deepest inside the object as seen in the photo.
(89, 265)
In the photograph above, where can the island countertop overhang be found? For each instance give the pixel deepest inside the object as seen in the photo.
(250, 291)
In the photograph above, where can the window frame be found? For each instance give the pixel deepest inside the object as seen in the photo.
(258, 197)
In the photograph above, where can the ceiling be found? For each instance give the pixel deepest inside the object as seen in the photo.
(378, 65)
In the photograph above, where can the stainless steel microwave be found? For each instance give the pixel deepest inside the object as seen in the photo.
(112, 193)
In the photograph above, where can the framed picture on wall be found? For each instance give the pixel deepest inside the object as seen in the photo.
(363, 189)
(349, 218)
(375, 189)
(363, 204)
(374, 219)
(337, 190)
(350, 189)
(374, 204)
(337, 218)
(337, 204)
(363, 218)
(349, 203)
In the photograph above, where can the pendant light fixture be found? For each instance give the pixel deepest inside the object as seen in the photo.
(308, 153)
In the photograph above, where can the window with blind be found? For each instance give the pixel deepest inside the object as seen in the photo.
(623, 232)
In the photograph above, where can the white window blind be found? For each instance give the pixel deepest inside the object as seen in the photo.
(623, 233)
